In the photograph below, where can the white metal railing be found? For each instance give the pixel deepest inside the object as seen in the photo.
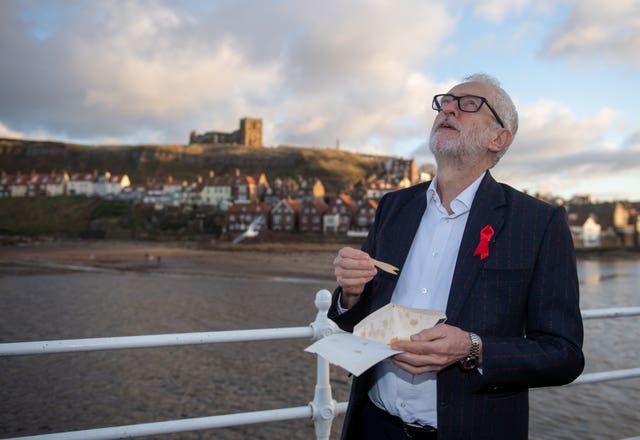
(616, 312)
(607, 376)
(322, 409)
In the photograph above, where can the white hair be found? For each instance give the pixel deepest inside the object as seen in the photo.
(503, 104)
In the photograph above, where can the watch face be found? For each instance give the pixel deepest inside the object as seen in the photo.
(469, 364)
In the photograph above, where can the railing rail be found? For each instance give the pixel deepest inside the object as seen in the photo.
(322, 410)
(150, 341)
(615, 312)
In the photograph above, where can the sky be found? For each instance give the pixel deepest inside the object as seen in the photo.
(358, 75)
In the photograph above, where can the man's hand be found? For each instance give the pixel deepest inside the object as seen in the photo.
(353, 269)
(433, 349)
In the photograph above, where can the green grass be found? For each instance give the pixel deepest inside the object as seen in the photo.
(46, 215)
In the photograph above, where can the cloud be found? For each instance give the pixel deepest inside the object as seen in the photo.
(497, 10)
(597, 29)
(633, 142)
(6, 133)
(550, 129)
(555, 148)
(313, 71)
(361, 114)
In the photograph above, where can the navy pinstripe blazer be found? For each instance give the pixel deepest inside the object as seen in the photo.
(522, 300)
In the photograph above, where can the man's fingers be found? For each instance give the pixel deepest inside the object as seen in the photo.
(417, 363)
(353, 253)
(353, 267)
(345, 263)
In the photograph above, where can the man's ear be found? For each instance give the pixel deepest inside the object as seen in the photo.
(501, 140)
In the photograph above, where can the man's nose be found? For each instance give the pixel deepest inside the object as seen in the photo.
(450, 107)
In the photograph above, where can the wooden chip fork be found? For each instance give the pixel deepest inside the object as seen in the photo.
(385, 266)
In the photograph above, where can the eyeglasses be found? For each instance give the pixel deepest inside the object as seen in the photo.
(466, 103)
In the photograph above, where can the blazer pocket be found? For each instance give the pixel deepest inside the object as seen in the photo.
(497, 393)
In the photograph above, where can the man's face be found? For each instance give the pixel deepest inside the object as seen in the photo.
(461, 135)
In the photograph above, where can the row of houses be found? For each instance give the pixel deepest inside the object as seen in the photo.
(60, 184)
(215, 191)
(340, 215)
(288, 204)
(211, 190)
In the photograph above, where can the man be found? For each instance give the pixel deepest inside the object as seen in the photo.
(501, 265)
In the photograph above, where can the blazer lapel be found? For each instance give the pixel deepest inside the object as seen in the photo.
(484, 211)
(396, 242)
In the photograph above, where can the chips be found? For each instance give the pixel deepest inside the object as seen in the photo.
(393, 323)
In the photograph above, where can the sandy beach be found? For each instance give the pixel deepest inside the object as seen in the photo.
(290, 259)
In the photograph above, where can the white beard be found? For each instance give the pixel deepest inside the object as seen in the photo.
(468, 148)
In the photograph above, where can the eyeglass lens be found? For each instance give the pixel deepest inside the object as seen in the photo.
(467, 103)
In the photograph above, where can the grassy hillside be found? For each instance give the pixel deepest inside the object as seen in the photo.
(92, 217)
(67, 216)
(142, 162)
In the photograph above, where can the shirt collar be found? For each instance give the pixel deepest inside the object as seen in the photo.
(462, 202)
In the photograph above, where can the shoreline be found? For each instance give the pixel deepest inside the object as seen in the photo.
(8, 244)
(267, 260)
(300, 260)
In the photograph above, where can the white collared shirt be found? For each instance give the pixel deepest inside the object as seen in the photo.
(424, 283)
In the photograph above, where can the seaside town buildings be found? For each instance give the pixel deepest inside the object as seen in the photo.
(287, 204)
(298, 205)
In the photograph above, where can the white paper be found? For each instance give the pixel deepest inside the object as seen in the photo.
(353, 353)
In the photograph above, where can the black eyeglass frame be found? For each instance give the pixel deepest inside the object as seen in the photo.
(438, 107)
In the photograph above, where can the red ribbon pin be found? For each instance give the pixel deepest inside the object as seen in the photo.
(483, 247)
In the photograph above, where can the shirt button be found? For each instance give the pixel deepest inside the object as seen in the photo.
(423, 290)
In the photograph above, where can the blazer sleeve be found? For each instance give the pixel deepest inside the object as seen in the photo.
(347, 320)
(550, 353)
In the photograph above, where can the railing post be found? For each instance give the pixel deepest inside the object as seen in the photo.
(323, 406)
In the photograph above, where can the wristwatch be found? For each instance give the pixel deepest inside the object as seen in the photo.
(471, 361)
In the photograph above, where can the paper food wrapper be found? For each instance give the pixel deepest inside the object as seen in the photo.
(393, 323)
(351, 352)
(369, 343)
